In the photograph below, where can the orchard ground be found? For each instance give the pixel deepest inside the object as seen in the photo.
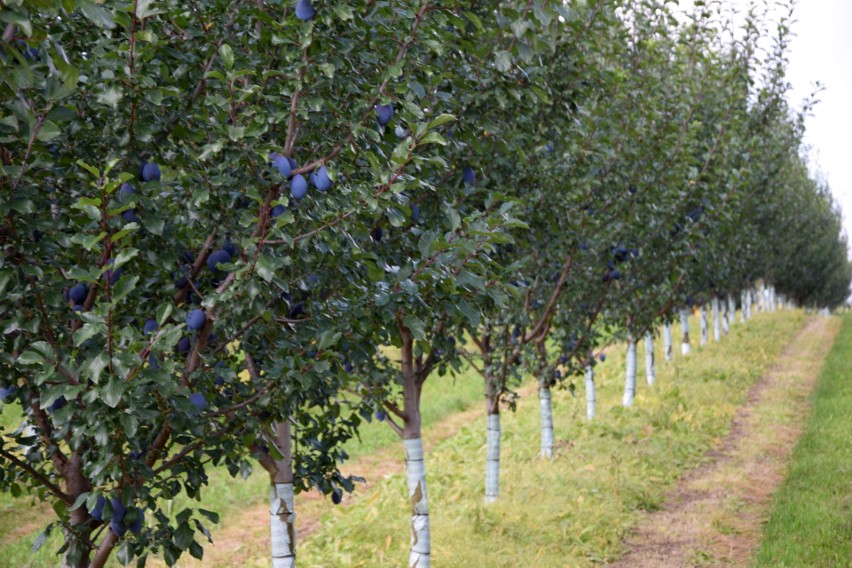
(708, 414)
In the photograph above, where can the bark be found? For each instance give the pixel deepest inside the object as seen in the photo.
(685, 347)
(76, 484)
(702, 320)
(630, 378)
(650, 366)
(726, 327)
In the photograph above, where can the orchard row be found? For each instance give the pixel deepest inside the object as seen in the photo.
(227, 226)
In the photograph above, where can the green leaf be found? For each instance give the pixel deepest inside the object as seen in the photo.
(227, 55)
(144, 9)
(112, 392)
(432, 138)
(123, 287)
(96, 14)
(49, 130)
(441, 119)
(96, 366)
(30, 357)
(415, 325)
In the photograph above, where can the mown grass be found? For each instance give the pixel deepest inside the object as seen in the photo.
(811, 522)
(21, 519)
(576, 509)
(573, 510)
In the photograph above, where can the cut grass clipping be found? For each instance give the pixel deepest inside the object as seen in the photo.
(811, 524)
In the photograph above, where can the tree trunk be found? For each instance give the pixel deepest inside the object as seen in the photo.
(282, 511)
(650, 366)
(630, 378)
(77, 484)
(546, 420)
(717, 325)
(282, 516)
(732, 310)
(667, 340)
(415, 467)
(685, 347)
(726, 328)
(590, 392)
(492, 453)
(743, 307)
(702, 313)
(415, 473)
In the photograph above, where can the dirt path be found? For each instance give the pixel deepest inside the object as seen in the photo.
(715, 514)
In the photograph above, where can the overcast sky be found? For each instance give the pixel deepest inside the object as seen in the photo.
(822, 51)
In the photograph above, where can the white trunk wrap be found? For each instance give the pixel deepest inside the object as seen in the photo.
(667, 341)
(717, 326)
(630, 378)
(415, 472)
(685, 347)
(732, 310)
(282, 525)
(703, 323)
(650, 367)
(546, 423)
(590, 392)
(492, 458)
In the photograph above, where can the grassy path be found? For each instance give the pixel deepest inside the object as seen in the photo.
(811, 523)
(715, 514)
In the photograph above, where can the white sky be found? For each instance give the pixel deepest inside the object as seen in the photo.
(820, 52)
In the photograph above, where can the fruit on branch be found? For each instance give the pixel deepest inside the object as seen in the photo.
(384, 114)
(195, 320)
(298, 187)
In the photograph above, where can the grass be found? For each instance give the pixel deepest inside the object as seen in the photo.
(572, 511)
(22, 519)
(811, 523)
(575, 510)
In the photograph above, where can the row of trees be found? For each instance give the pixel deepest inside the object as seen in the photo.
(228, 225)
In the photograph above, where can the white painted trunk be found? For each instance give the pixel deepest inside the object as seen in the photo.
(415, 472)
(546, 422)
(492, 458)
(650, 367)
(726, 328)
(732, 310)
(743, 307)
(667, 341)
(685, 347)
(282, 525)
(630, 378)
(590, 392)
(702, 321)
(717, 325)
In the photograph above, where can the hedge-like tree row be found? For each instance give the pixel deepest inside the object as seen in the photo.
(231, 225)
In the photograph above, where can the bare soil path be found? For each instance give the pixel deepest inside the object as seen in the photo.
(715, 514)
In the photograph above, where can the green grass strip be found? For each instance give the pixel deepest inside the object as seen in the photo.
(576, 509)
(811, 524)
